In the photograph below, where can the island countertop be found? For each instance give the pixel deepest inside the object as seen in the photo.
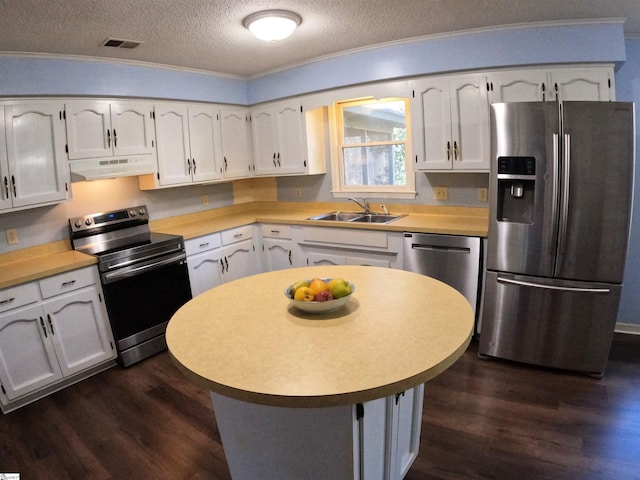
(244, 340)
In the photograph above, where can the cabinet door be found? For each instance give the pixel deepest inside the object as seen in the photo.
(263, 130)
(88, 129)
(78, 329)
(291, 154)
(518, 86)
(322, 258)
(5, 176)
(278, 254)
(132, 128)
(27, 357)
(581, 84)
(204, 139)
(406, 435)
(238, 260)
(364, 260)
(35, 136)
(204, 271)
(431, 119)
(174, 155)
(236, 154)
(470, 123)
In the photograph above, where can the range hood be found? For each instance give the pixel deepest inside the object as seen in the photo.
(112, 167)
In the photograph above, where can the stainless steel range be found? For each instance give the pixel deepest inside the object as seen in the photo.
(144, 276)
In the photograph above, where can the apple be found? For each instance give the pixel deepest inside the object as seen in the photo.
(339, 287)
(304, 294)
(296, 286)
(323, 296)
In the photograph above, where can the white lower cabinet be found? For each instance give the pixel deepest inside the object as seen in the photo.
(277, 247)
(342, 246)
(203, 262)
(383, 436)
(52, 332)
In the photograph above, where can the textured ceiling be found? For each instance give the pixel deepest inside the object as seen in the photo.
(208, 34)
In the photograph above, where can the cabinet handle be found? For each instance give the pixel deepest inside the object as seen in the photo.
(6, 186)
(50, 324)
(115, 139)
(202, 245)
(226, 264)
(290, 261)
(13, 184)
(194, 165)
(225, 164)
(544, 91)
(222, 265)
(7, 300)
(274, 159)
(455, 150)
(188, 166)
(108, 138)
(68, 284)
(237, 235)
(275, 232)
(448, 151)
(44, 329)
(278, 159)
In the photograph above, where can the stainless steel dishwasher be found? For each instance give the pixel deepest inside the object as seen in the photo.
(452, 259)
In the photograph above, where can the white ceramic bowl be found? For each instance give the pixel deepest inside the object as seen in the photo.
(320, 307)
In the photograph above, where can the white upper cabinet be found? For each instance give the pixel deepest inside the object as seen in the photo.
(543, 84)
(236, 146)
(188, 144)
(103, 129)
(450, 123)
(33, 165)
(288, 140)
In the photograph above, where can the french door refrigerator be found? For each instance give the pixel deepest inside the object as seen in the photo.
(560, 208)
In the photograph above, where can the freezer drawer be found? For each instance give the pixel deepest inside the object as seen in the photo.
(452, 259)
(548, 322)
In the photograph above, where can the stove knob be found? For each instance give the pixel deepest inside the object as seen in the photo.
(87, 222)
(132, 213)
(142, 211)
(78, 224)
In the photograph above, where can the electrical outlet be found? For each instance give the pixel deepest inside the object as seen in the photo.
(483, 194)
(297, 192)
(441, 193)
(205, 199)
(12, 236)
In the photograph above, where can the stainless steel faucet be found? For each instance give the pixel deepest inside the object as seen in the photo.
(364, 205)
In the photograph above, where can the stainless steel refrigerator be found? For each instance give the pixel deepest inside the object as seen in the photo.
(561, 191)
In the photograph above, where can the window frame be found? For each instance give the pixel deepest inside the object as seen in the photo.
(339, 189)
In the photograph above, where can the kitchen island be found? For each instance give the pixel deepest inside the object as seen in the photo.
(333, 395)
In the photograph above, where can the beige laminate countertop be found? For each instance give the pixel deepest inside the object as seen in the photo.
(41, 261)
(34, 263)
(469, 221)
(244, 340)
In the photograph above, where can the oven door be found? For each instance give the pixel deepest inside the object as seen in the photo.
(140, 300)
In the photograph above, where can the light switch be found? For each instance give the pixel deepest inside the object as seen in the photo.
(12, 236)
(441, 193)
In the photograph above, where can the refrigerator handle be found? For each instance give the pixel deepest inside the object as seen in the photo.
(564, 203)
(552, 287)
(555, 193)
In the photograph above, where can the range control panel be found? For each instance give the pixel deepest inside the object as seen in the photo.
(138, 214)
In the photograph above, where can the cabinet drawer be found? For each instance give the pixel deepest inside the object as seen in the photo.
(18, 296)
(202, 244)
(237, 234)
(276, 231)
(67, 282)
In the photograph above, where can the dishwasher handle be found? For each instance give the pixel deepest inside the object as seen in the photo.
(440, 248)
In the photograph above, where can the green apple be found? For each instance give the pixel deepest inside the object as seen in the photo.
(339, 287)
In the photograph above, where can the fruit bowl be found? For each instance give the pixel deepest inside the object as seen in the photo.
(320, 307)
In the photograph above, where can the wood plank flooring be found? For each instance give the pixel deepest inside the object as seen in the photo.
(481, 420)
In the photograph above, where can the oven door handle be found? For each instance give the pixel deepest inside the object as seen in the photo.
(134, 270)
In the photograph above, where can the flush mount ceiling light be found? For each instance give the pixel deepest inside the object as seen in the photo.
(272, 25)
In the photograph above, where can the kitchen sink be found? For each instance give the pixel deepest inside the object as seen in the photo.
(356, 217)
(376, 218)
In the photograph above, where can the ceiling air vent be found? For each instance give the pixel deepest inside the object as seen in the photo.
(118, 43)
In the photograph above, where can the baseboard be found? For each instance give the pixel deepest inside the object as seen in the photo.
(630, 328)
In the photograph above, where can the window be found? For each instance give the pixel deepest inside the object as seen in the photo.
(372, 147)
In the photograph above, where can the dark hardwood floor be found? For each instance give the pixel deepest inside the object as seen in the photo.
(481, 420)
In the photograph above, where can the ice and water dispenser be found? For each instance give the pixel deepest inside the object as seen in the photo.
(516, 189)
